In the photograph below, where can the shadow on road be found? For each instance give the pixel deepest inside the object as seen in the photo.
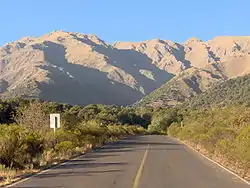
(68, 174)
(73, 165)
(81, 168)
(74, 173)
(96, 155)
(132, 144)
(136, 143)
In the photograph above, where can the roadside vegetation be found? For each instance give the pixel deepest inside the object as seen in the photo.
(222, 133)
(28, 144)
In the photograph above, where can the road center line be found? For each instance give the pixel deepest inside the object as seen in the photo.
(139, 172)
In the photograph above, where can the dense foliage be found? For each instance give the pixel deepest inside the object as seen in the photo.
(224, 133)
(162, 118)
(169, 94)
(233, 91)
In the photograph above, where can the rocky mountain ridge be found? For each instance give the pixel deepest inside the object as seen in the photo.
(82, 69)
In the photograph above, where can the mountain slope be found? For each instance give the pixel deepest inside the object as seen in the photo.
(233, 91)
(214, 61)
(83, 69)
(76, 68)
(182, 87)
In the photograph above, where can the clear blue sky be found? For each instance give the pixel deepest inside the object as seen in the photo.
(125, 20)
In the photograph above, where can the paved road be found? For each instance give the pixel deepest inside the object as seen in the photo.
(137, 162)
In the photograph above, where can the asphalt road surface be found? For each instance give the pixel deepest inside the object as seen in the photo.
(137, 162)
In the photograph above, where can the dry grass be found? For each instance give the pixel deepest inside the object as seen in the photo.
(234, 167)
(10, 176)
(7, 175)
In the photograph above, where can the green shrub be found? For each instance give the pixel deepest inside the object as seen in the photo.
(34, 147)
(65, 148)
(226, 148)
(174, 130)
(163, 118)
(243, 147)
(12, 146)
(62, 135)
(221, 131)
(116, 131)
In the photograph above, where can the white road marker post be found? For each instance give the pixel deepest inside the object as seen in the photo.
(55, 124)
(55, 121)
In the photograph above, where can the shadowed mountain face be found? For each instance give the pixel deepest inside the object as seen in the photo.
(87, 86)
(83, 69)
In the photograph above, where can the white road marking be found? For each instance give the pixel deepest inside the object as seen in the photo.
(140, 170)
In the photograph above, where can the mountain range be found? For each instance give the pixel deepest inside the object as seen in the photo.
(83, 69)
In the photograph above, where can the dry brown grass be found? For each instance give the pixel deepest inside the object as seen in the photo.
(10, 176)
(7, 175)
(220, 159)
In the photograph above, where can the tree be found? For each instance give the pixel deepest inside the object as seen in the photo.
(33, 117)
(164, 118)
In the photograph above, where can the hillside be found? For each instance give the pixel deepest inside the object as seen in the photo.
(182, 87)
(233, 91)
(77, 69)
(83, 69)
(213, 62)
